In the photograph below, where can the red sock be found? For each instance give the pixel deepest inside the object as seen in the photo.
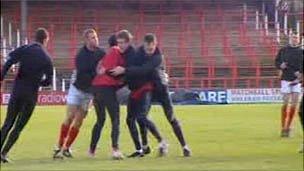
(291, 115)
(63, 134)
(283, 115)
(72, 136)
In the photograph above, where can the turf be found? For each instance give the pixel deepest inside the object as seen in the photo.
(222, 138)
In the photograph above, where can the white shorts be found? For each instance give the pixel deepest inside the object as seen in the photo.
(287, 88)
(79, 98)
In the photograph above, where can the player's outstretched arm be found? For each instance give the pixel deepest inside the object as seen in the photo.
(13, 58)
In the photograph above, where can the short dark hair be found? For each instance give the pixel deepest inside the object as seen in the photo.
(150, 37)
(112, 40)
(41, 35)
(124, 34)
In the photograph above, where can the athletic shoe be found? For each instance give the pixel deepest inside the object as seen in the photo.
(57, 153)
(285, 133)
(163, 148)
(146, 150)
(187, 152)
(136, 154)
(67, 153)
(117, 155)
(91, 152)
(4, 159)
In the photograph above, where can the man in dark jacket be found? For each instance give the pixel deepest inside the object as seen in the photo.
(288, 61)
(152, 80)
(80, 93)
(133, 107)
(35, 63)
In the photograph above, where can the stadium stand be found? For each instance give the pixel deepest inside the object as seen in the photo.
(206, 44)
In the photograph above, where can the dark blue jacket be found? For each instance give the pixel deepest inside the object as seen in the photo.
(131, 60)
(293, 56)
(143, 68)
(86, 62)
(34, 64)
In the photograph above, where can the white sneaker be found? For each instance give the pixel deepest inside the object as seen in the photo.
(186, 151)
(91, 153)
(117, 155)
(5, 159)
(57, 153)
(163, 148)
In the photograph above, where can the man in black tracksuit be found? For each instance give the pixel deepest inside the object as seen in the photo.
(288, 61)
(80, 93)
(138, 107)
(149, 68)
(34, 63)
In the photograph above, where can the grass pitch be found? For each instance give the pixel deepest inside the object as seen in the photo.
(222, 138)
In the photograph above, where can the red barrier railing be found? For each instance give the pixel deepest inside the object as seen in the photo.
(205, 43)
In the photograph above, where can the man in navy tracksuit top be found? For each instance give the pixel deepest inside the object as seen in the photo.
(35, 64)
(129, 56)
(80, 93)
(149, 79)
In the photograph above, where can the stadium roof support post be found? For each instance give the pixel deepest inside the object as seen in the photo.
(25, 40)
(266, 24)
(23, 21)
(3, 43)
(298, 28)
(63, 85)
(257, 18)
(2, 30)
(18, 37)
(54, 79)
(277, 24)
(10, 34)
(285, 24)
(276, 12)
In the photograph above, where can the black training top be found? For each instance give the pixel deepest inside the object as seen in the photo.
(35, 67)
(86, 62)
(293, 57)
